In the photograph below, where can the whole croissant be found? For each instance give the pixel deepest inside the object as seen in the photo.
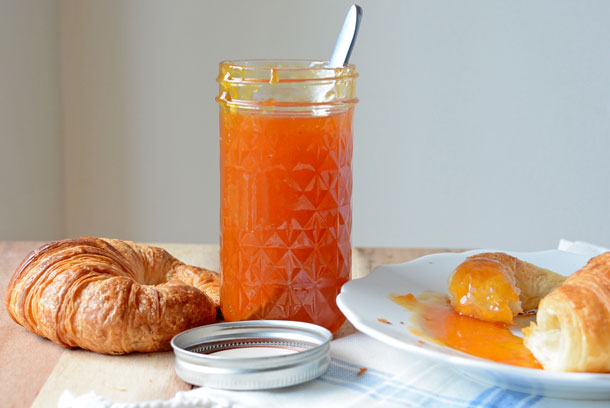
(573, 322)
(110, 296)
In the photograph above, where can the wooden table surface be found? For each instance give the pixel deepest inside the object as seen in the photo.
(35, 371)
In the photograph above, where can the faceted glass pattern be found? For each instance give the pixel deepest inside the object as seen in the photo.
(286, 184)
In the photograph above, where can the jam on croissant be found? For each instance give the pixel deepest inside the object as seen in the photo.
(496, 287)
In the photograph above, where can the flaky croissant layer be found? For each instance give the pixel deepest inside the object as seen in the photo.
(110, 296)
(572, 329)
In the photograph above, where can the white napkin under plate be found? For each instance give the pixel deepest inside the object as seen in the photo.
(392, 378)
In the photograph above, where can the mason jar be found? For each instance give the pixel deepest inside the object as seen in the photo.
(286, 142)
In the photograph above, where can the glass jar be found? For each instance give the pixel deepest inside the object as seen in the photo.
(285, 186)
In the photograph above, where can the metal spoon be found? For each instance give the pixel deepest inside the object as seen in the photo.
(347, 38)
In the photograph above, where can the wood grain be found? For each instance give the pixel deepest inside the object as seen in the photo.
(366, 259)
(34, 371)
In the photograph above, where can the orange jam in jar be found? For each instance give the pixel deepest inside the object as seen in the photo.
(286, 184)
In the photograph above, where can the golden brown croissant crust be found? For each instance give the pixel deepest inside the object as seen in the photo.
(110, 296)
(572, 330)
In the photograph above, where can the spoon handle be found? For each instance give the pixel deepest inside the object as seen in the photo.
(347, 38)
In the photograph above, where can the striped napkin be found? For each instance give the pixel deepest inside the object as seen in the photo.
(365, 372)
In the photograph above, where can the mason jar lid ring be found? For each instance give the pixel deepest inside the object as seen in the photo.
(252, 355)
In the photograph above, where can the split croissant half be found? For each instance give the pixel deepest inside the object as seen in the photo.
(110, 296)
(573, 322)
(496, 286)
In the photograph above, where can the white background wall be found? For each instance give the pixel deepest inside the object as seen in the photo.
(31, 181)
(481, 123)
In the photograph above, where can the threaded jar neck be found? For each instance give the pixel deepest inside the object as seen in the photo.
(286, 86)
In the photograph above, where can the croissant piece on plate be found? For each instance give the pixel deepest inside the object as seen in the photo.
(572, 329)
(110, 296)
(496, 286)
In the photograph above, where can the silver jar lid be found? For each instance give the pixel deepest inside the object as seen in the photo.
(252, 355)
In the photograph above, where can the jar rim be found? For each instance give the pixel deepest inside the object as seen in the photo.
(283, 64)
(281, 70)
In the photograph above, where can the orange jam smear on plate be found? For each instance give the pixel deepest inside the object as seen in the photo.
(434, 318)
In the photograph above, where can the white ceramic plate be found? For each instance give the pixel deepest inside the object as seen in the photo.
(365, 300)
